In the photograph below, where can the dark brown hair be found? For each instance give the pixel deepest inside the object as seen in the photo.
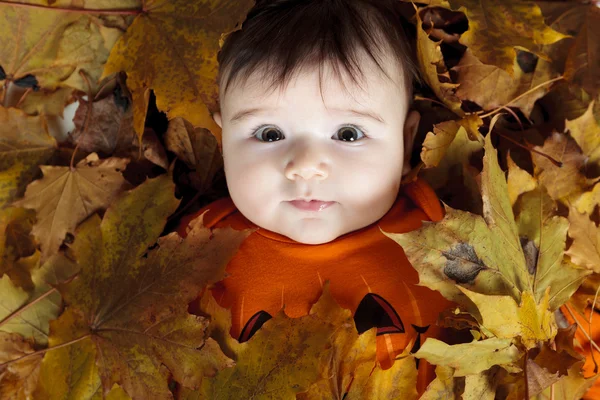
(280, 37)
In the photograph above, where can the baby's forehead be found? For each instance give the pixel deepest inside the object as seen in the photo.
(326, 81)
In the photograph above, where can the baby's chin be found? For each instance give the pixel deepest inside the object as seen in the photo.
(312, 232)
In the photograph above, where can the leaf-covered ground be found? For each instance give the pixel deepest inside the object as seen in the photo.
(95, 286)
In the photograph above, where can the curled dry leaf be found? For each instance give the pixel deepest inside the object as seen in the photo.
(108, 130)
(198, 148)
(431, 61)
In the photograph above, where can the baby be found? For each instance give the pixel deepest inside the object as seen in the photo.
(315, 100)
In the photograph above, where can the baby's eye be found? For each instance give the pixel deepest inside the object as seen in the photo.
(271, 134)
(268, 133)
(347, 133)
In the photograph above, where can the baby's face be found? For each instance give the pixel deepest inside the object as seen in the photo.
(309, 147)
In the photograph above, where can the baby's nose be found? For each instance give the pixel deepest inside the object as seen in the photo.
(307, 163)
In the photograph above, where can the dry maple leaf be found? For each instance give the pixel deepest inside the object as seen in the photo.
(28, 312)
(172, 48)
(492, 87)
(485, 256)
(493, 40)
(585, 249)
(64, 197)
(126, 320)
(49, 47)
(24, 144)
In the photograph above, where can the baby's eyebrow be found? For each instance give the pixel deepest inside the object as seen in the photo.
(242, 114)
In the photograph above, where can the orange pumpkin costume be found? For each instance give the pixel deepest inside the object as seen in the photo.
(368, 273)
(582, 345)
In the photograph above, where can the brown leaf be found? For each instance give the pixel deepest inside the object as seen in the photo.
(198, 148)
(24, 144)
(107, 128)
(565, 181)
(582, 62)
(492, 87)
(18, 380)
(585, 249)
(64, 197)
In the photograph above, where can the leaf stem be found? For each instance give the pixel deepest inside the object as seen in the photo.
(528, 147)
(592, 343)
(26, 306)
(590, 329)
(522, 95)
(74, 10)
(45, 350)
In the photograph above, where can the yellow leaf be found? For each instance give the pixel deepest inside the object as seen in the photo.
(64, 197)
(518, 182)
(353, 356)
(586, 132)
(585, 249)
(398, 382)
(172, 49)
(443, 386)
(536, 321)
(29, 312)
(281, 359)
(493, 40)
(48, 48)
(470, 358)
(79, 377)
(440, 142)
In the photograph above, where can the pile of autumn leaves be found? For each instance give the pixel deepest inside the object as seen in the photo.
(93, 300)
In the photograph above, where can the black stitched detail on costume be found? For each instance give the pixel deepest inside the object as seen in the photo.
(374, 310)
(254, 324)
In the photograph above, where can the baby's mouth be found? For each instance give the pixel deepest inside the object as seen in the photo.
(313, 205)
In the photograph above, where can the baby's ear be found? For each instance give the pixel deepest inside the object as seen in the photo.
(217, 117)
(411, 125)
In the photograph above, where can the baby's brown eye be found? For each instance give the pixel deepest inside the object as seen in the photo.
(348, 133)
(268, 135)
